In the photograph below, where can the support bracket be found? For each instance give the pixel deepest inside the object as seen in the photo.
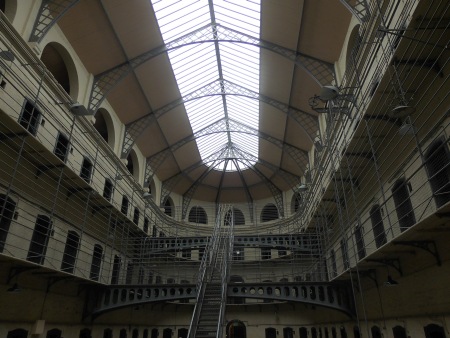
(392, 262)
(428, 246)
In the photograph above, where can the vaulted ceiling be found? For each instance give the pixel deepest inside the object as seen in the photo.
(120, 42)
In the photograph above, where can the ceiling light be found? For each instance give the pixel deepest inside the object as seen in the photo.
(390, 281)
(78, 109)
(14, 288)
(7, 55)
(147, 195)
(302, 188)
(402, 111)
(407, 129)
(328, 93)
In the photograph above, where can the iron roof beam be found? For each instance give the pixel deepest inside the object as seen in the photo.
(300, 156)
(358, 8)
(321, 71)
(133, 130)
(49, 13)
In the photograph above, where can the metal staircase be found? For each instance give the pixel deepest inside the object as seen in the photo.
(212, 283)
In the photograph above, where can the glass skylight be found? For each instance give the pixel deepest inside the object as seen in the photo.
(197, 65)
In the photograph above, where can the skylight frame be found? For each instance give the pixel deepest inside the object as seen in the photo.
(206, 62)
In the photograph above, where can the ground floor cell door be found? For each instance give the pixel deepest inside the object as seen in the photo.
(236, 329)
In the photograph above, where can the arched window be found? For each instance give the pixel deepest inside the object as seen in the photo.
(288, 332)
(235, 215)
(403, 205)
(141, 275)
(70, 252)
(136, 216)
(376, 332)
(145, 227)
(61, 147)
(30, 117)
(129, 275)
(115, 270)
(296, 202)
(100, 124)
(39, 240)
(17, 333)
(333, 263)
(344, 252)
(271, 332)
(399, 332)
(269, 213)
(438, 169)
(7, 208)
(434, 331)
(169, 209)
(198, 215)
(167, 333)
(86, 170)
(108, 189)
(377, 226)
(125, 205)
(96, 264)
(182, 333)
(359, 238)
(54, 333)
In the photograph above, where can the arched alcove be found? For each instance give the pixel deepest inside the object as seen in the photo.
(105, 126)
(60, 64)
(353, 46)
(9, 8)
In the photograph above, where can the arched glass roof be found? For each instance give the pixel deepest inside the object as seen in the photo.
(208, 62)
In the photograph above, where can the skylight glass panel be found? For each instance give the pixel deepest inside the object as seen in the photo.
(198, 65)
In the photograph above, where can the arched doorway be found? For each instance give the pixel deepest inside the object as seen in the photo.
(271, 332)
(438, 169)
(17, 333)
(236, 329)
(7, 208)
(434, 331)
(399, 332)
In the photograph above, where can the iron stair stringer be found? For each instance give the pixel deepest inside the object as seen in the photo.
(209, 310)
